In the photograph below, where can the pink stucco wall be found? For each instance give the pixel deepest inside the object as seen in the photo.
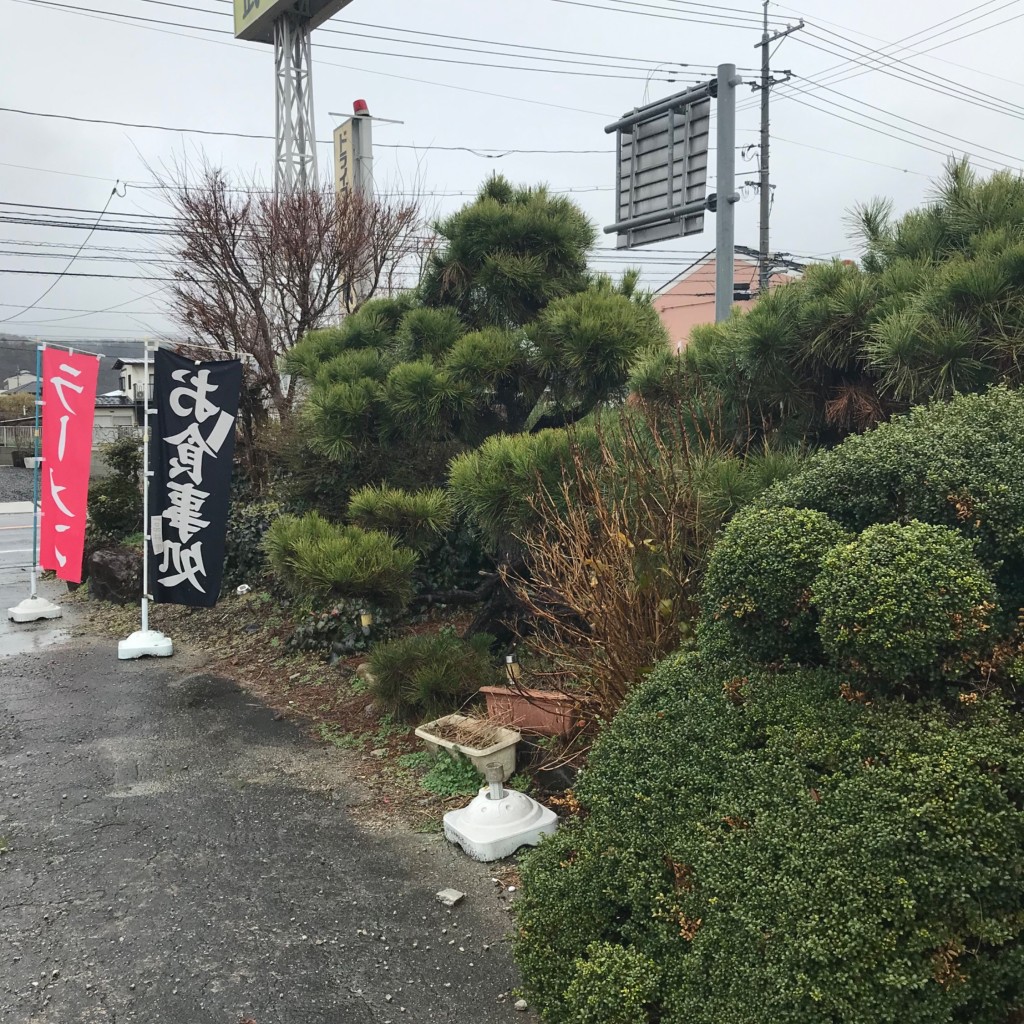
(691, 302)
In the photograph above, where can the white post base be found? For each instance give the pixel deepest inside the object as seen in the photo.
(145, 642)
(489, 829)
(33, 608)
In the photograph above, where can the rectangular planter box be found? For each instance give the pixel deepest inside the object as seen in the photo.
(502, 752)
(535, 711)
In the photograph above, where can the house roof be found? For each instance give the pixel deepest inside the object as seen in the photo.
(21, 389)
(115, 401)
(704, 261)
(120, 363)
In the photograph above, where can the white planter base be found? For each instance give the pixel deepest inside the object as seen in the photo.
(143, 643)
(489, 829)
(33, 608)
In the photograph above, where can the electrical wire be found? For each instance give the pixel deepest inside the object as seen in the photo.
(910, 73)
(734, 21)
(970, 146)
(347, 32)
(334, 46)
(331, 64)
(179, 130)
(954, 90)
(64, 273)
(879, 131)
(847, 31)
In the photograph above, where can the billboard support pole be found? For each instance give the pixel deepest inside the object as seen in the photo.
(725, 213)
(295, 137)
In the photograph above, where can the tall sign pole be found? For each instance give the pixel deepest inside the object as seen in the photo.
(295, 135)
(727, 196)
(288, 25)
(765, 188)
(661, 173)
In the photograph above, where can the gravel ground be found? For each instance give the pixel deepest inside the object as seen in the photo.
(15, 484)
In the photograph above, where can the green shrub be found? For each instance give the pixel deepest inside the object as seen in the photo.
(417, 518)
(114, 504)
(428, 333)
(955, 464)
(587, 343)
(785, 854)
(612, 985)
(757, 588)
(245, 559)
(496, 483)
(430, 674)
(904, 604)
(315, 559)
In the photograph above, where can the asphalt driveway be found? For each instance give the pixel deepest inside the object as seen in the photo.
(172, 853)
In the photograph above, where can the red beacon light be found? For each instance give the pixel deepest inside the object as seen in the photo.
(360, 108)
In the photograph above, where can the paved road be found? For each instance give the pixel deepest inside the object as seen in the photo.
(174, 855)
(15, 540)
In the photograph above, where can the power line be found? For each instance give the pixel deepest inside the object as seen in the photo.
(334, 46)
(929, 33)
(64, 272)
(877, 131)
(347, 32)
(734, 21)
(847, 31)
(917, 124)
(347, 67)
(254, 135)
(947, 87)
(847, 156)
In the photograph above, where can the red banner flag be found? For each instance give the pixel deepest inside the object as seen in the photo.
(69, 403)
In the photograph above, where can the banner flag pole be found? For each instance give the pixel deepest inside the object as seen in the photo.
(145, 641)
(35, 607)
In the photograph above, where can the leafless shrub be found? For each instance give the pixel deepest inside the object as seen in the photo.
(615, 566)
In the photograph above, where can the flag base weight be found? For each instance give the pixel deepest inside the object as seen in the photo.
(33, 608)
(143, 643)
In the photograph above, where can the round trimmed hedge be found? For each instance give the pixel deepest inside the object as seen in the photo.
(757, 587)
(955, 464)
(904, 604)
(768, 849)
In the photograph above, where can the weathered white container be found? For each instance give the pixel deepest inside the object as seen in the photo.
(502, 752)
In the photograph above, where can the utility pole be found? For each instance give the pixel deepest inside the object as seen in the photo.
(765, 184)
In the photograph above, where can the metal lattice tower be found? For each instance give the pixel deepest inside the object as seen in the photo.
(295, 140)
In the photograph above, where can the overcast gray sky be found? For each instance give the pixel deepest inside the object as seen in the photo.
(851, 125)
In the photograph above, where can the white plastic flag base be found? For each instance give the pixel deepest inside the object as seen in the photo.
(33, 608)
(489, 829)
(143, 643)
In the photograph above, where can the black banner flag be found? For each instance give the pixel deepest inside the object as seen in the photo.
(191, 450)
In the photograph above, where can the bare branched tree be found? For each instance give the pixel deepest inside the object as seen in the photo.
(255, 270)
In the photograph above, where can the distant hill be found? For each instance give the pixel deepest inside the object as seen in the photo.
(19, 353)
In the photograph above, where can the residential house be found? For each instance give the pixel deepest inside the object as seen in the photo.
(688, 301)
(23, 381)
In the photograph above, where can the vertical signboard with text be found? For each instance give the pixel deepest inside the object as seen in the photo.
(69, 403)
(192, 448)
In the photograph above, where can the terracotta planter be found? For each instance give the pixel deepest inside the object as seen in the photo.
(540, 712)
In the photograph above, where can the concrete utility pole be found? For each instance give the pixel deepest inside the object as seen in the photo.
(765, 184)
